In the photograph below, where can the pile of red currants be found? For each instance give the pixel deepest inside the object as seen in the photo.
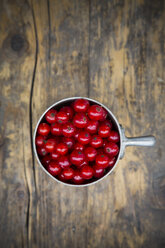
(77, 144)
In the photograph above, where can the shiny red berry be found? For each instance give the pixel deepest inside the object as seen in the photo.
(54, 155)
(61, 177)
(98, 171)
(50, 116)
(111, 149)
(105, 114)
(40, 140)
(112, 161)
(68, 110)
(77, 157)
(105, 142)
(96, 141)
(41, 151)
(87, 172)
(50, 145)
(68, 173)
(46, 160)
(62, 148)
(79, 147)
(77, 178)
(84, 137)
(64, 162)
(76, 133)
(69, 142)
(95, 112)
(90, 153)
(92, 126)
(108, 123)
(43, 129)
(56, 129)
(102, 160)
(104, 131)
(68, 130)
(114, 136)
(54, 168)
(81, 105)
(80, 120)
(85, 162)
(62, 117)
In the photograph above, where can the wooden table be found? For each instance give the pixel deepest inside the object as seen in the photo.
(111, 51)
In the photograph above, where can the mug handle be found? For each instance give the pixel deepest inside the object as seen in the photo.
(140, 141)
(135, 141)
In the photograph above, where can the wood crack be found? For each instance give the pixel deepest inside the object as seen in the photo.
(49, 42)
(89, 50)
(28, 193)
(31, 96)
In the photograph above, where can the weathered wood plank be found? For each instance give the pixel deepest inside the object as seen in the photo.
(112, 51)
(127, 74)
(17, 51)
(62, 71)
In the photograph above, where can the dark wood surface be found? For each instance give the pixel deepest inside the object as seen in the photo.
(111, 51)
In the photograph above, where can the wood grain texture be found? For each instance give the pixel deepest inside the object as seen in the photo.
(111, 51)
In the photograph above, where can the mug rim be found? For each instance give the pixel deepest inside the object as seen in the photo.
(69, 99)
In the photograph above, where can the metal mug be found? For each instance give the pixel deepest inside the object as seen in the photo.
(124, 141)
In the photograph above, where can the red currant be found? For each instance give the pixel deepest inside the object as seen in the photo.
(50, 116)
(68, 110)
(62, 148)
(96, 141)
(43, 129)
(41, 151)
(54, 168)
(77, 178)
(111, 149)
(69, 142)
(105, 142)
(92, 126)
(112, 161)
(114, 136)
(46, 160)
(56, 129)
(68, 173)
(76, 133)
(108, 123)
(105, 113)
(50, 145)
(68, 130)
(102, 160)
(87, 172)
(64, 162)
(95, 112)
(104, 131)
(98, 171)
(77, 157)
(79, 147)
(81, 105)
(62, 117)
(84, 137)
(80, 120)
(40, 140)
(55, 155)
(90, 153)
(61, 177)
(85, 162)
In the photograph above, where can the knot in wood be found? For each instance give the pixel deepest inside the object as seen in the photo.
(17, 42)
